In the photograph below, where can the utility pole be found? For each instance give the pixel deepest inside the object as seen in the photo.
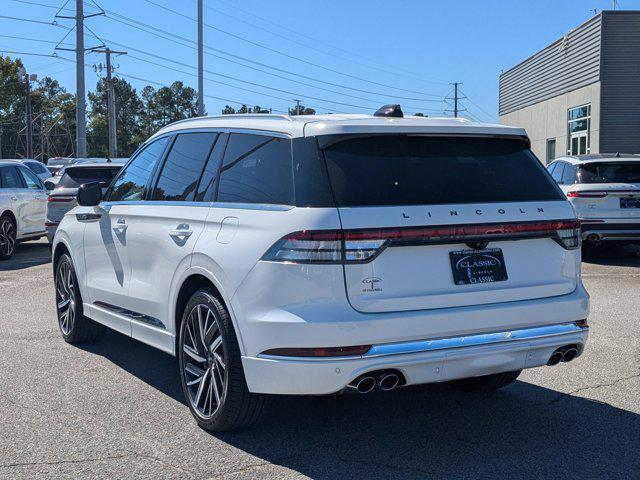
(200, 63)
(81, 105)
(111, 101)
(1, 132)
(27, 82)
(297, 105)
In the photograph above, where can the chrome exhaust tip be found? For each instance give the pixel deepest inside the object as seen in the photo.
(364, 384)
(555, 358)
(389, 381)
(593, 237)
(569, 354)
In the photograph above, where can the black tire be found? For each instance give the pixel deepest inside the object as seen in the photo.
(235, 407)
(7, 237)
(74, 326)
(486, 383)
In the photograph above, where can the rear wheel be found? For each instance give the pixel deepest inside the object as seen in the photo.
(486, 383)
(7, 237)
(74, 326)
(211, 371)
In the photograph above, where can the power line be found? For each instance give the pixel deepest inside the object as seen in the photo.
(158, 31)
(273, 50)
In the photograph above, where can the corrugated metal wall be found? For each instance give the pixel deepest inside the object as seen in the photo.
(569, 63)
(620, 90)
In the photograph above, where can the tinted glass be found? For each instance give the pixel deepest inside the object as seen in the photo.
(133, 181)
(557, 173)
(415, 170)
(256, 169)
(183, 167)
(36, 167)
(551, 168)
(609, 172)
(10, 178)
(74, 177)
(30, 179)
(567, 175)
(207, 187)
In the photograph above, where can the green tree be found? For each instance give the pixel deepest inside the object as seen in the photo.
(129, 109)
(227, 110)
(303, 110)
(12, 98)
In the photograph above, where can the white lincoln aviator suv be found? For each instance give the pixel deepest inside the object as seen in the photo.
(325, 254)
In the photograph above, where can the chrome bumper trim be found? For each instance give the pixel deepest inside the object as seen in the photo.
(420, 346)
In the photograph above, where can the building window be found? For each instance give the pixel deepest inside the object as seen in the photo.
(578, 130)
(551, 150)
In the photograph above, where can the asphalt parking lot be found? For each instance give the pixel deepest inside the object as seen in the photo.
(114, 409)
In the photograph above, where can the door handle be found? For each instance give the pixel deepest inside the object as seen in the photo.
(181, 232)
(120, 226)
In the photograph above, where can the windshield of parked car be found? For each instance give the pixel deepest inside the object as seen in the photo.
(609, 172)
(74, 177)
(424, 170)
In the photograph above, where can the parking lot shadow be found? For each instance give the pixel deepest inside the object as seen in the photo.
(28, 254)
(431, 431)
(626, 256)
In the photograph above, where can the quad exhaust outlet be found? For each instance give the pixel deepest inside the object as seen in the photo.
(563, 354)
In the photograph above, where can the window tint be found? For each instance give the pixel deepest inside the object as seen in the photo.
(609, 172)
(74, 177)
(207, 187)
(36, 167)
(417, 170)
(183, 167)
(131, 184)
(256, 169)
(557, 173)
(30, 179)
(568, 175)
(10, 178)
(551, 168)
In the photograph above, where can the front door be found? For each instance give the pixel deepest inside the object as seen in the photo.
(107, 238)
(35, 197)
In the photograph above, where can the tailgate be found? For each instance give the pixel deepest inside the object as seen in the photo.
(414, 276)
(606, 201)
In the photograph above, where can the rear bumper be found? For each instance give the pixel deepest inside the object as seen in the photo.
(425, 361)
(610, 230)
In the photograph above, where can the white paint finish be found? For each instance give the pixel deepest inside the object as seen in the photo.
(28, 206)
(228, 230)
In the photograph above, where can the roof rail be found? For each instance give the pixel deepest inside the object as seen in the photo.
(272, 116)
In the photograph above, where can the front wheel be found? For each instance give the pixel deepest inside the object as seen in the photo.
(211, 371)
(74, 326)
(486, 383)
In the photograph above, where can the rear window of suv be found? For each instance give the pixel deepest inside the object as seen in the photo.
(422, 170)
(74, 177)
(609, 172)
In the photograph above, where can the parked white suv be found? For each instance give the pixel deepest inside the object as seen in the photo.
(322, 254)
(605, 192)
(23, 203)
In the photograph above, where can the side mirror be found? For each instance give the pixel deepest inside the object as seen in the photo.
(49, 185)
(89, 194)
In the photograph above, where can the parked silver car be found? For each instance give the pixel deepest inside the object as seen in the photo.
(23, 201)
(62, 197)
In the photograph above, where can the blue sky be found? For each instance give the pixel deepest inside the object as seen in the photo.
(337, 56)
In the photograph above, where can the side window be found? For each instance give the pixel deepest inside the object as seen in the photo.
(30, 179)
(551, 168)
(257, 169)
(568, 176)
(132, 182)
(207, 187)
(557, 173)
(10, 178)
(183, 167)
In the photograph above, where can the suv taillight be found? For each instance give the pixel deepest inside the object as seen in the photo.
(361, 246)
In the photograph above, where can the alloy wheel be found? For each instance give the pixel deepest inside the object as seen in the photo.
(204, 361)
(65, 297)
(7, 238)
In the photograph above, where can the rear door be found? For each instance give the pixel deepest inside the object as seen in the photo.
(608, 190)
(162, 232)
(435, 222)
(13, 187)
(36, 200)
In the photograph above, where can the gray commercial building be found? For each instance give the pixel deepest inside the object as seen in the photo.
(581, 94)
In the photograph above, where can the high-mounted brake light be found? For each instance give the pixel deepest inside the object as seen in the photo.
(360, 246)
(586, 194)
